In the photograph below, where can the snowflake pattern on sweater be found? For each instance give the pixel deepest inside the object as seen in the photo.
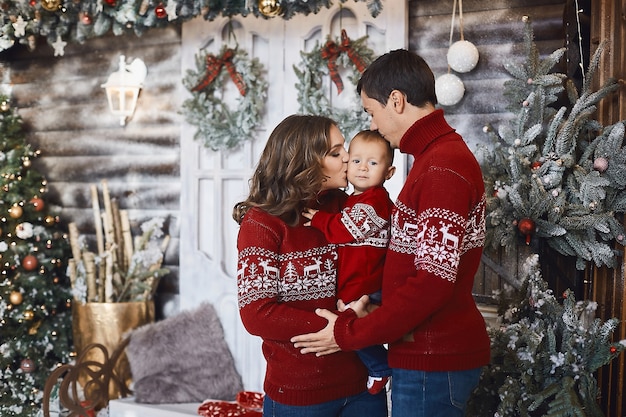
(437, 237)
(297, 275)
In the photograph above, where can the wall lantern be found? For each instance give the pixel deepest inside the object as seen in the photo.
(122, 88)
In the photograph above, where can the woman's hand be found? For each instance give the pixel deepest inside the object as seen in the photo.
(321, 343)
(309, 213)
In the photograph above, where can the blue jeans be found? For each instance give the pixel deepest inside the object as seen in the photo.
(375, 360)
(431, 394)
(375, 357)
(361, 405)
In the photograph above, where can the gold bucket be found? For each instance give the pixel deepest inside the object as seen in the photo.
(106, 324)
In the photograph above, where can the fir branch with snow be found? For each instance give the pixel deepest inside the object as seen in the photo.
(545, 354)
(556, 175)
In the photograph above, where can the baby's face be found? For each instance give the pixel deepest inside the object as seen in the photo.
(368, 165)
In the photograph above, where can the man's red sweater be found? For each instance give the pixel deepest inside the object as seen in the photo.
(284, 274)
(437, 234)
(362, 232)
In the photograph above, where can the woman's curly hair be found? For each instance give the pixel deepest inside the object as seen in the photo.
(289, 172)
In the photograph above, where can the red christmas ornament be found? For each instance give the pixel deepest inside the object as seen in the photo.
(86, 19)
(160, 12)
(38, 203)
(612, 349)
(27, 365)
(535, 165)
(526, 227)
(29, 262)
(111, 3)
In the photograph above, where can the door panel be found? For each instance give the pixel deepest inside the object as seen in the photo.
(213, 181)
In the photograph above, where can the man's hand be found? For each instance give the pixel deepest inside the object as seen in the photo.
(361, 307)
(309, 213)
(321, 343)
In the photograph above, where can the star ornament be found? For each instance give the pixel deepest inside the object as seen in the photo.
(59, 46)
(20, 27)
(171, 10)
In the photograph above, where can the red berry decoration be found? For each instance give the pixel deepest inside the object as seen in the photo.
(38, 203)
(160, 12)
(527, 227)
(29, 262)
(535, 165)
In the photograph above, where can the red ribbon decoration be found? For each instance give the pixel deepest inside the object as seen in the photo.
(331, 52)
(214, 66)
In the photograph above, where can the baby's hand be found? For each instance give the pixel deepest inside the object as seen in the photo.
(309, 213)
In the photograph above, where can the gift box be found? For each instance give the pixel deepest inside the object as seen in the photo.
(247, 403)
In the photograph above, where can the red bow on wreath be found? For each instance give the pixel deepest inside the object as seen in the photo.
(214, 66)
(331, 52)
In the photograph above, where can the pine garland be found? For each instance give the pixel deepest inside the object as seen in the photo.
(544, 354)
(218, 126)
(557, 175)
(76, 21)
(314, 67)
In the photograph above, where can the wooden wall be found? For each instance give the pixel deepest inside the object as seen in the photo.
(608, 286)
(66, 116)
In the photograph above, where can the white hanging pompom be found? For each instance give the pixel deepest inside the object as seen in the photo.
(449, 89)
(462, 56)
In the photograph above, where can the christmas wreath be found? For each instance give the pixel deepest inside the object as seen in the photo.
(325, 61)
(218, 126)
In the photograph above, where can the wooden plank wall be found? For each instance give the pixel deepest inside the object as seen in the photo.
(608, 286)
(66, 116)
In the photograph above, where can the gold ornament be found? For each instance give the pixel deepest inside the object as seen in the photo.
(270, 8)
(51, 5)
(16, 212)
(29, 315)
(16, 298)
(50, 220)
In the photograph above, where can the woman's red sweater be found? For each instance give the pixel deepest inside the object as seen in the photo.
(284, 274)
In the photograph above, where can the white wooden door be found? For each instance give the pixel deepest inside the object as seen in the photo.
(213, 181)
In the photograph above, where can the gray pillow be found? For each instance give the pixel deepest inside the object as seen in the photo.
(183, 358)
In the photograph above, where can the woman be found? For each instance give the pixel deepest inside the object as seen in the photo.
(287, 270)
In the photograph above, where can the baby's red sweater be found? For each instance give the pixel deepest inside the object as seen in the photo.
(437, 234)
(362, 232)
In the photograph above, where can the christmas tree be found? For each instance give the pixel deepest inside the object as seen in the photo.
(35, 318)
(556, 174)
(544, 355)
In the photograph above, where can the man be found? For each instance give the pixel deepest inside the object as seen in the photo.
(437, 338)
